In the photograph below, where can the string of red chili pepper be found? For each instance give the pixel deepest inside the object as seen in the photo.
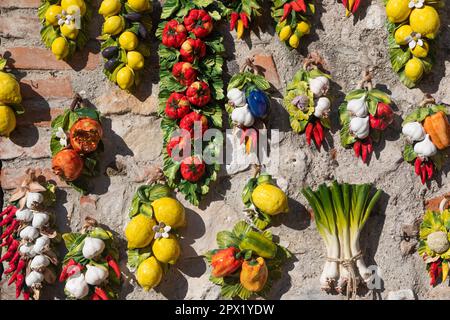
(363, 148)
(297, 6)
(424, 169)
(315, 130)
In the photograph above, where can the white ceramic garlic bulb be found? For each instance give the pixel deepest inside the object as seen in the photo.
(40, 219)
(425, 148)
(92, 247)
(41, 244)
(358, 107)
(34, 278)
(323, 105)
(39, 262)
(34, 199)
(242, 116)
(77, 286)
(96, 275)
(237, 97)
(414, 131)
(319, 86)
(29, 233)
(360, 127)
(25, 215)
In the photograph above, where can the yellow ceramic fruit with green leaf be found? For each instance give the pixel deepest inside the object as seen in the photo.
(166, 250)
(398, 11)
(125, 78)
(149, 273)
(414, 69)
(303, 27)
(110, 7)
(72, 7)
(139, 231)
(425, 21)
(169, 211)
(113, 25)
(128, 40)
(139, 5)
(421, 51)
(51, 14)
(270, 199)
(135, 60)
(70, 30)
(9, 89)
(60, 48)
(7, 121)
(402, 34)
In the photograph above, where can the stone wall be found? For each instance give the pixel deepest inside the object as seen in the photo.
(133, 143)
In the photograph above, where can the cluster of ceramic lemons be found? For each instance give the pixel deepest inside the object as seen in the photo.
(126, 26)
(152, 230)
(292, 35)
(417, 23)
(65, 20)
(10, 97)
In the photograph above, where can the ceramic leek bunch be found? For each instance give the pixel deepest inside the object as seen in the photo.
(64, 25)
(263, 199)
(76, 144)
(28, 238)
(240, 13)
(307, 103)
(413, 25)
(153, 242)
(427, 133)
(246, 262)
(364, 115)
(126, 40)
(248, 104)
(90, 270)
(291, 17)
(434, 245)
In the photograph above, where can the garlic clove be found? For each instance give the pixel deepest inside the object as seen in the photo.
(29, 233)
(34, 199)
(41, 244)
(425, 148)
(25, 215)
(323, 105)
(96, 275)
(360, 127)
(77, 287)
(358, 107)
(242, 116)
(319, 86)
(40, 219)
(92, 247)
(237, 97)
(34, 278)
(39, 262)
(414, 131)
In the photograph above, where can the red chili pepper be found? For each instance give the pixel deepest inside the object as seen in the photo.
(244, 19)
(417, 165)
(20, 267)
(233, 19)
(15, 258)
(308, 132)
(435, 271)
(12, 227)
(429, 167)
(423, 174)
(7, 241)
(63, 276)
(369, 145)
(295, 6)
(101, 293)
(287, 8)
(12, 267)
(6, 211)
(320, 130)
(19, 285)
(8, 219)
(302, 5)
(357, 148)
(26, 295)
(113, 264)
(356, 5)
(364, 152)
(316, 135)
(11, 251)
(95, 296)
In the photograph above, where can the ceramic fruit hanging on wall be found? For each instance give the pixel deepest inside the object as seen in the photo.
(263, 199)
(10, 100)
(27, 236)
(76, 143)
(126, 40)
(240, 13)
(413, 26)
(340, 213)
(364, 115)
(246, 263)
(153, 242)
(307, 103)
(427, 133)
(191, 87)
(90, 270)
(64, 25)
(291, 17)
(248, 104)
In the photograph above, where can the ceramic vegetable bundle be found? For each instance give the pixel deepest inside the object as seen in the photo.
(153, 242)
(413, 25)
(27, 236)
(64, 25)
(307, 103)
(263, 199)
(434, 245)
(10, 99)
(126, 40)
(248, 104)
(75, 144)
(191, 87)
(427, 132)
(340, 212)
(90, 270)
(364, 115)
(246, 262)
(240, 13)
(291, 17)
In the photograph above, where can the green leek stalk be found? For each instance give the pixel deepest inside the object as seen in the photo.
(341, 211)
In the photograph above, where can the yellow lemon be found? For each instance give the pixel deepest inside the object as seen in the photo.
(402, 33)
(139, 5)
(135, 60)
(170, 211)
(166, 250)
(398, 10)
(285, 33)
(414, 69)
(303, 27)
(74, 6)
(270, 199)
(7, 121)
(113, 25)
(421, 51)
(51, 13)
(128, 40)
(294, 41)
(425, 21)
(125, 78)
(110, 8)
(60, 48)
(149, 273)
(9, 89)
(70, 31)
(139, 231)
